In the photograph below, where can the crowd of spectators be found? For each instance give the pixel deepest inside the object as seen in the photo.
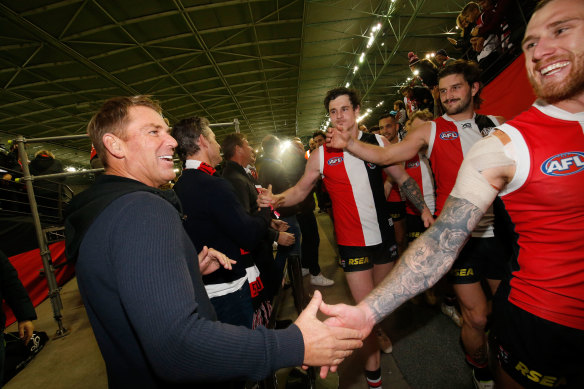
(48, 192)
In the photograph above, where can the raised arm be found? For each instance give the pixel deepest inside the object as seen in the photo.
(406, 149)
(298, 192)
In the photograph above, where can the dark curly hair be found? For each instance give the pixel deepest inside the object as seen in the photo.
(340, 91)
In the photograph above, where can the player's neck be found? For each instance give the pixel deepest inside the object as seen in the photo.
(466, 115)
(573, 105)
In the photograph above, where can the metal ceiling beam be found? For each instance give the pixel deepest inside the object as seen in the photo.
(188, 21)
(48, 38)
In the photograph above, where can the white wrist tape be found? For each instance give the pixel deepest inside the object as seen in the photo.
(471, 185)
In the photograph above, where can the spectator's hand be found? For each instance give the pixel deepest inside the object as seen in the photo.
(265, 196)
(427, 218)
(325, 345)
(25, 329)
(475, 31)
(453, 41)
(279, 225)
(338, 138)
(286, 239)
(211, 260)
(7, 176)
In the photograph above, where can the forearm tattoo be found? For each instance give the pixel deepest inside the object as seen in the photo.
(427, 259)
(413, 193)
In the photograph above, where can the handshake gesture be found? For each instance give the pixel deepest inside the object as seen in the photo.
(328, 343)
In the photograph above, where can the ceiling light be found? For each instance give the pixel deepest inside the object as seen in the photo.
(355, 69)
(347, 85)
(362, 57)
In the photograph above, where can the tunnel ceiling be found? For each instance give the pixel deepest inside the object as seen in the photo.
(267, 63)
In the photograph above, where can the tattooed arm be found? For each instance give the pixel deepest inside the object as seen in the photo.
(427, 259)
(411, 190)
(430, 256)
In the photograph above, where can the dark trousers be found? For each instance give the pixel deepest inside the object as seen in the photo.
(235, 308)
(310, 241)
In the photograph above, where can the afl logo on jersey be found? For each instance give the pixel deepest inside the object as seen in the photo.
(334, 161)
(449, 135)
(564, 164)
(371, 165)
(413, 164)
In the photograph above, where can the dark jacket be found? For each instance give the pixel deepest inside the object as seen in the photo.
(13, 292)
(214, 217)
(139, 277)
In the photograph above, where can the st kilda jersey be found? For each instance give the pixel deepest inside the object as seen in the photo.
(546, 204)
(449, 142)
(360, 210)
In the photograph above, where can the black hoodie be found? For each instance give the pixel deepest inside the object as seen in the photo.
(88, 205)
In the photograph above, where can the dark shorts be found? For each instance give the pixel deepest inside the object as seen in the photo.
(353, 258)
(414, 227)
(480, 258)
(397, 210)
(535, 352)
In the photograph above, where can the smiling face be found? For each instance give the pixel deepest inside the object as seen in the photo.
(554, 54)
(342, 113)
(388, 128)
(146, 148)
(456, 95)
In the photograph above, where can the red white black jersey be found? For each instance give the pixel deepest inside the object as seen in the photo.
(449, 142)
(360, 211)
(546, 204)
(419, 169)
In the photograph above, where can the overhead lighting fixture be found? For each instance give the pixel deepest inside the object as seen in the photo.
(416, 72)
(355, 69)
(362, 57)
(347, 85)
(70, 169)
(383, 44)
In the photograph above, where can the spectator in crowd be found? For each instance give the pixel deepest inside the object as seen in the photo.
(273, 173)
(140, 280)
(215, 218)
(462, 43)
(443, 59)
(400, 115)
(10, 168)
(16, 297)
(48, 192)
(487, 45)
(238, 154)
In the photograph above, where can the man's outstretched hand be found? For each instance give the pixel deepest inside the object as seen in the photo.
(346, 316)
(325, 345)
(338, 138)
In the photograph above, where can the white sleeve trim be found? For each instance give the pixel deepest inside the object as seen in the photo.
(520, 154)
(431, 140)
(321, 161)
